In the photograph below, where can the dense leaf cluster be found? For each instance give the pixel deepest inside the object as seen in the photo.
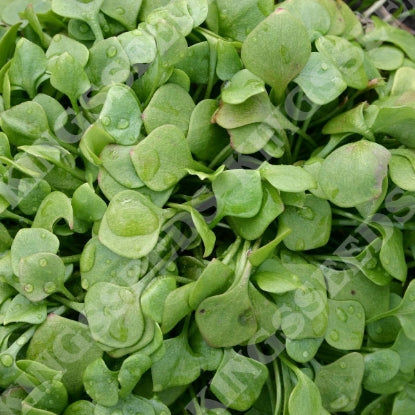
(206, 207)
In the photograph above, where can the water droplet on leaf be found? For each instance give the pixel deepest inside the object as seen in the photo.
(28, 288)
(111, 51)
(6, 360)
(106, 121)
(43, 262)
(123, 124)
(49, 287)
(341, 315)
(334, 335)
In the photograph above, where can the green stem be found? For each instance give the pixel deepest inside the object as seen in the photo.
(213, 57)
(10, 215)
(278, 389)
(79, 307)
(71, 259)
(231, 251)
(221, 156)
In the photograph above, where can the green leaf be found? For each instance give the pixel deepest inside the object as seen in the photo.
(305, 397)
(313, 15)
(171, 104)
(108, 63)
(347, 57)
(386, 58)
(179, 365)
(114, 315)
(304, 311)
(42, 274)
(101, 383)
(155, 295)
(253, 110)
(28, 66)
(340, 382)
(126, 13)
(131, 225)
(242, 86)
(31, 241)
(238, 193)
(277, 49)
(287, 178)
(139, 46)
(78, 9)
(208, 236)
(238, 381)
(68, 76)
(99, 264)
(205, 139)
(271, 207)
(65, 345)
(61, 44)
(273, 277)
(214, 279)
(229, 62)
(310, 224)
(404, 312)
(23, 310)
(120, 116)
(87, 205)
(353, 173)
(162, 157)
(238, 18)
(54, 206)
(117, 162)
(320, 80)
(346, 324)
(380, 367)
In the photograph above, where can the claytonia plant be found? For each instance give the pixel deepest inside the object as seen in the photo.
(207, 207)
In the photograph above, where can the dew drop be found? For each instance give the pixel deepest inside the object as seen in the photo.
(324, 66)
(43, 236)
(120, 10)
(350, 309)
(126, 295)
(111, 51)
(341, 315)
(340, 402)
(379, 330)
(334, 335)
(306, 354)
(28, 288)
(49, 287)
(359, 315)
(107, 311)
(307, 213)
(123, 124)
(131, 272)
(105, 28)
(343, 365)
(300, 245)
(43, 262)
(108, 261)
(6, 360)
(411, 297)
(29, 111)
(83, 28)
(386, 261)
(106, 121)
